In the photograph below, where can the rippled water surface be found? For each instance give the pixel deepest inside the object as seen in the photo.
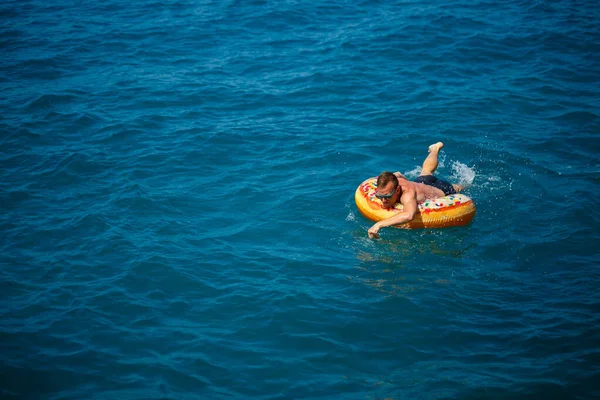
(177, 214)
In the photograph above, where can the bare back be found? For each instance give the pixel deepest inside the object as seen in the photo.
(423, 191)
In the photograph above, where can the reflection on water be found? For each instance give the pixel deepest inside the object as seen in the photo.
(390, 265)
(398, 245)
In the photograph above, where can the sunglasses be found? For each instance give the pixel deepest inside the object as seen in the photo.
(386, 196)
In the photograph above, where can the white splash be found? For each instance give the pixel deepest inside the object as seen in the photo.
(350, 217)
(412, 174)
(463, 174)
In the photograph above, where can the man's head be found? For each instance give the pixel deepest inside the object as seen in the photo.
(388, 189)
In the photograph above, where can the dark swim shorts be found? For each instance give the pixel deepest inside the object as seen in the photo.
(431, 180)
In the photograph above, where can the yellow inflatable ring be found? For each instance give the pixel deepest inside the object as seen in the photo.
(451, 210)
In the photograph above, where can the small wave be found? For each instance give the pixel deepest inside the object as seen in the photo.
(50, 100)
(40, 69)
(577, 117)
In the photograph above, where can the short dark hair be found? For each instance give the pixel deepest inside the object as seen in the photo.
(386, 177)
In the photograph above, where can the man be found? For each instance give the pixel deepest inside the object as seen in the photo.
(393, 188)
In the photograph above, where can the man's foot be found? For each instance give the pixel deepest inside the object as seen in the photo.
(436, 147)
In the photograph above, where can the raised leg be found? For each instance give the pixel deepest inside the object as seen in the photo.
(431, 162)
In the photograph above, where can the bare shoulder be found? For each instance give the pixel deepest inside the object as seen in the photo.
(408, 185)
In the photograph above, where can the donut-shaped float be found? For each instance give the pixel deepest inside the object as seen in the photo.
(441, 212)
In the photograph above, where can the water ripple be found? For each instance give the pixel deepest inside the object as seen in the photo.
(177, 200)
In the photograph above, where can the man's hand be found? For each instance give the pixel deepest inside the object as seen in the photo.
(373, 231)
(399, 175)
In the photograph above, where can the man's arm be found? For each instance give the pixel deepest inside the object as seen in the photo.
(399, 175)
(409, 209)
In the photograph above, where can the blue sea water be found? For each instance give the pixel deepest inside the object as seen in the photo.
(177, 215)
